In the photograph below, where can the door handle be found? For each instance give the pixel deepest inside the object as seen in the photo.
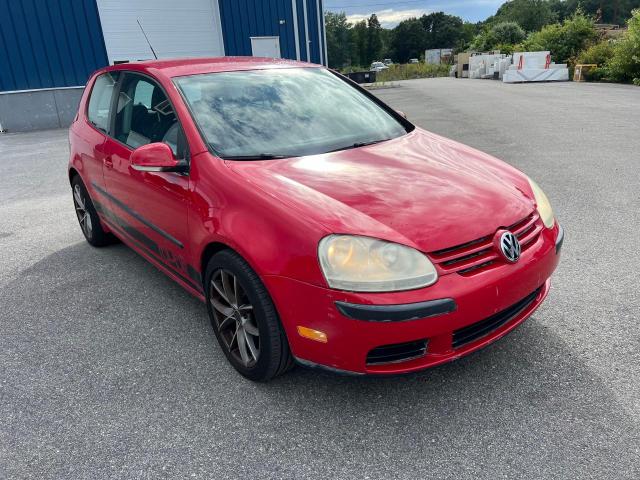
(108, 162)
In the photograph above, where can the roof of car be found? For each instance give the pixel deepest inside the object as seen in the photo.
(192, 66)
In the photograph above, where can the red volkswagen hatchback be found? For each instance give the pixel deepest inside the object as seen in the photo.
(318, 224)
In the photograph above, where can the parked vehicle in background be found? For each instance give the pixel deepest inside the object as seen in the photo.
(316, 223)
(387, 61)
(414, 60)
(378, 67)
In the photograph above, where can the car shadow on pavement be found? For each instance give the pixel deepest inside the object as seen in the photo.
(98, 338)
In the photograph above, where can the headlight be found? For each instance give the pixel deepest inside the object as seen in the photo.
(544, 206)
(363, 264)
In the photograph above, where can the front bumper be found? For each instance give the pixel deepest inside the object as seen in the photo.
(476, 298)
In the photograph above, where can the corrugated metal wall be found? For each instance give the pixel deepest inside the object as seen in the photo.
(58, 43)
(243, 19)
(49, 43)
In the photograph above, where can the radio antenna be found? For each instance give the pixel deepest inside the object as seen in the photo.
(147, 39)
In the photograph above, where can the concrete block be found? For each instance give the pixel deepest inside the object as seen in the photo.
(25, 111)
(536, 75)
(67, 101)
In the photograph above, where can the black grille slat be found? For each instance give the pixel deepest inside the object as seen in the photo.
(484, 327)
(462, 246)
(477, 267)
(397, 352)
(526, 231)
(476, 256)
(465, 258)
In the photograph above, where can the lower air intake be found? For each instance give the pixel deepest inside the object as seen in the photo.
(399, 352)
(484, 327)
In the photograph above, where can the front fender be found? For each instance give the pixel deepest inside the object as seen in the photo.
(226, 210)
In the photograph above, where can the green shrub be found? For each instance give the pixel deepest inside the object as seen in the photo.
(625, 63)
(600, 74)
(565, 41)
(506, 48)
(508, 33)
(599, 54)
(353, 68)
(411, 71)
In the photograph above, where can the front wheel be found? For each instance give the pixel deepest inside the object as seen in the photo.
(244, 318)
(87, 215)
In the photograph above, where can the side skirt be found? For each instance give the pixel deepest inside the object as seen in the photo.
(141, 244)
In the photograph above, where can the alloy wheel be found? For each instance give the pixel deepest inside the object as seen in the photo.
(80, 201)
(234, 318)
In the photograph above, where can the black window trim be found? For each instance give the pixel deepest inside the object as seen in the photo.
(114, 103)
(93, 86)
(408, 126)
(210, 148)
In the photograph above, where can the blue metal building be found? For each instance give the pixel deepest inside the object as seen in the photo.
(48, 48)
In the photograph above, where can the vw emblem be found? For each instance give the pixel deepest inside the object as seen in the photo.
(510, 247)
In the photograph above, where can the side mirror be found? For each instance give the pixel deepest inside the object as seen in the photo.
(402, 114)
(156, 157)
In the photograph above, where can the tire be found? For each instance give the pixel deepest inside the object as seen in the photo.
(88, 217)
(244, 318)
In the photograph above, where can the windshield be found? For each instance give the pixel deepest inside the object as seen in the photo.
(283, 113)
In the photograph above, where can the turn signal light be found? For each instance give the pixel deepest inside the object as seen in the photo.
(311, 334)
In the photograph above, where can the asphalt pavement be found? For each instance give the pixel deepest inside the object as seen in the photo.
(110, 370)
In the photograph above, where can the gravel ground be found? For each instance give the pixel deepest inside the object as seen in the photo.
(110, 370)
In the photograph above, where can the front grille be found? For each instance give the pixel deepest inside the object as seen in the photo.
(479, 255)
(484, 327)
(399, 352)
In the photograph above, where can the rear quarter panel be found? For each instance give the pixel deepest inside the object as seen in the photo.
(86, 143)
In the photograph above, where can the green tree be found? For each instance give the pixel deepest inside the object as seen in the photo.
(508, 32)
(562, 9)
(499, 35)
(531, 15)
(359, 44)
(442, 30)
(613, 11)
(338, 39)
(469, 32)
(386, 35)
(408, 40)
(374, 39)
(565, 41)
(625, 64)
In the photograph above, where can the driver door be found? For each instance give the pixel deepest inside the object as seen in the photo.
(150, 207)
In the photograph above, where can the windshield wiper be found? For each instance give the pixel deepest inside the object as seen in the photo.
(358, 145)
(258, 156)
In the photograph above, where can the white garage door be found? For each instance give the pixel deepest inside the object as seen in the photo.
(184, 28)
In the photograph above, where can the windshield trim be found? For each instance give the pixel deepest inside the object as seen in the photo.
(406, 124)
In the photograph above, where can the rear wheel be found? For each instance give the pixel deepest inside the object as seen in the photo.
(87, 216)
(244, 319)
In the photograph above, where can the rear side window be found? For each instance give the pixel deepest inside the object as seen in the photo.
(100, 100)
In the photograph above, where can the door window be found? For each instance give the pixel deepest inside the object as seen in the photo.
(100, 100)
(144, 115)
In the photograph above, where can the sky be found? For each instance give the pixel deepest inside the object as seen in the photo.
(391, 12)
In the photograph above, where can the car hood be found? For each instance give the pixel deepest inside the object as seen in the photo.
(420, 189)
